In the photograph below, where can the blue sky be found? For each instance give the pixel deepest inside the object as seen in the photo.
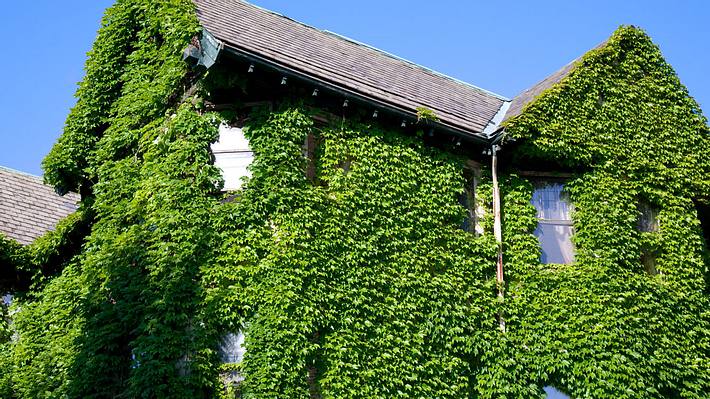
(503, 47)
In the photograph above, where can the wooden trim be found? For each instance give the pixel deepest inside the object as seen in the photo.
(553, 175)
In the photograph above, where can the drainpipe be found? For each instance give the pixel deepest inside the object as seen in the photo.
(497, 231)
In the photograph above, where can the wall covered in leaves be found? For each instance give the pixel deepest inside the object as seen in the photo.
(605, 326)
(357, 280)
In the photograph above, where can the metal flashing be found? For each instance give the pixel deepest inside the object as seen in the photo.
(493, 125)
(206, 51)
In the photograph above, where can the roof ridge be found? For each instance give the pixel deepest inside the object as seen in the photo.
(383, 52)
(19, 172)
(420, 66)
(530, 94)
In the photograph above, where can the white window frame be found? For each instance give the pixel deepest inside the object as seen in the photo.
(233, 156)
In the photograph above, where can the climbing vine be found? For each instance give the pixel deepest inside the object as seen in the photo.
(362, 285)
(358, 280)
(604, 326)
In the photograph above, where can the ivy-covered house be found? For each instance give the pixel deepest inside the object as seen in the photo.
(269, 210)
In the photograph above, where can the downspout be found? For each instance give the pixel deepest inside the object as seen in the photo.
(498, 232)
(494, 133)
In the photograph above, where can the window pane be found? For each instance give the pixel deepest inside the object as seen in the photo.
(551, 201)
(556, 243)
(231, 139)
(232, 155)
(231, 349)
(648, 218)
(234, 167)
(553, 393)
(554, 230)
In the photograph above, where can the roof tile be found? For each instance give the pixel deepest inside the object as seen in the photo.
(28, 208)
(348, 64)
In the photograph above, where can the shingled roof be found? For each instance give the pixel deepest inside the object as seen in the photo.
(28, 208)
(527, 96)
(354, 66)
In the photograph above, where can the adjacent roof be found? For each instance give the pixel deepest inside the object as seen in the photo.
(348, 64)
(28, 208)
(527, 96)
(521, 100)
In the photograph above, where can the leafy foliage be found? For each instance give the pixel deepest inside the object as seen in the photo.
(363, 285)
(358, 281)
(604, 327)
(426, 115)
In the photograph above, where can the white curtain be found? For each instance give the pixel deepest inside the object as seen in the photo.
(554, 230)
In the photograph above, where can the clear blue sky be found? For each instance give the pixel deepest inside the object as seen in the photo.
(504, 47)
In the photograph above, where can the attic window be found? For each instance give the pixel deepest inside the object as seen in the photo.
(554, 229)
(232, 156)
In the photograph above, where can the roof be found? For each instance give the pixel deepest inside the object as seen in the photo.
(527, 96)
(29, 208)
(348, 64)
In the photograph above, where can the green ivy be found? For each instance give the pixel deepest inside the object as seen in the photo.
(358, 281)
(364, 282)
(603, 327)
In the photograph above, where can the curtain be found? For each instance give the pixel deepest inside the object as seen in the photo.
(554, 230)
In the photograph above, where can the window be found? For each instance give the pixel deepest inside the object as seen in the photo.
(648, 222)
(233, 156)
(7, 299)
(648, 218)
(554, 228)
(231, 349)
(474, 212)
(553, 393)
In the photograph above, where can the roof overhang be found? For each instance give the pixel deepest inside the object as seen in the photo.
(207, 49)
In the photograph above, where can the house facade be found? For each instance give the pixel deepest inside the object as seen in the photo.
(271, 210)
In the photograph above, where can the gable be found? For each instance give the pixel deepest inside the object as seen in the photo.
(622, 107)
(527, 96)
